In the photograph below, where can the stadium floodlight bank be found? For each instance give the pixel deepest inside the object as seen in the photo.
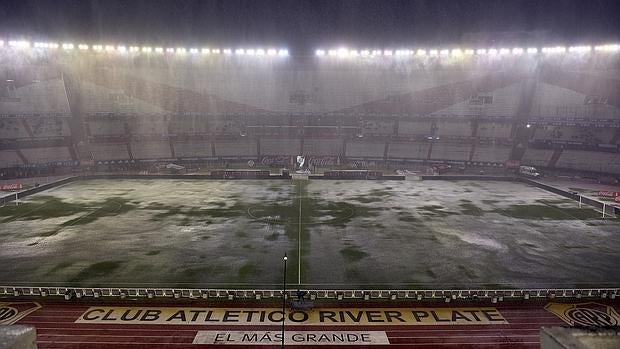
(340, 52)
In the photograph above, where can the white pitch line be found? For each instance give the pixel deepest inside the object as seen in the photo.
(299, 240)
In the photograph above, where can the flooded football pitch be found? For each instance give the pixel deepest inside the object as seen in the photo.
(337, 234)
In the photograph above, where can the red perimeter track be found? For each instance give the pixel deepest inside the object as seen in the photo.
(56, 327)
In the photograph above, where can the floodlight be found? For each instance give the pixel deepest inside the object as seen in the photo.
(109, 48)
(444, 52)
(456, 52)
(387, 52)
(608, 48)
(40, 45)
(227, 51)
(517, 51)
(123, 49)
(83, 47)
(133, 49)
(365, 53)
(469, 52)
(376, 52)
(580, 49)
(1, 43)
(193, 50)
(250, 52)
(19, 44)
(319, 53)
(180, 50)
(481, 51)
(205, 51)
(239, 51)
(170, 50)
(343, 52)
(216, 51)
(283, 52)
(260, 52)
(433, 52)
(333, 52)
(146, 49)
(421, 52)
(353, 53)
(532, 50)
(53, 45)
(492, 51)
(159, 50)
(67, 46)
(504, 51)
(97, 47)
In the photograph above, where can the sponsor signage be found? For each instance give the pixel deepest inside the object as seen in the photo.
(11, 312)
(11, 186)
(609, 194)
(585, 314)
(292, 337)
(273, 316)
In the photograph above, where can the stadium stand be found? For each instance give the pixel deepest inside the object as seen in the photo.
(106, 127)
(448, 151)
(46, 155)
(193, 149)
(239, 148)
(150, 150)
(109, 151)
(537, 157)
(422, 128)
(495, 154)
(494, 130)
(590, 161)
(372, 150)
(35, 97)
(9, 158)
(280, 146)
(502, 102)
(322, 146)
(408, 151)
(49, 127)
(12, 128)
(453, 128)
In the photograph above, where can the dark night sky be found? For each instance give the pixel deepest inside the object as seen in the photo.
(306, 24)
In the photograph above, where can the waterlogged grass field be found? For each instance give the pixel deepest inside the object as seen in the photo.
(337, 234)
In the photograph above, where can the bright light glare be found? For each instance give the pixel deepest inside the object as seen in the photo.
(481, 51)
(97, 47)
(433, 52)
(216, 51)
(67, 46)
(421, 52)
(608, 48)
(193, 50)
(319, 53)
(283, 53)
(469, 52)
(159, 50)
(260, 52)
(444, 52)
(122, 49)
(109, 48)
(387, 52)
(492, 51)
(365, 53)
(146, 49)
(580, 49)
(532, 50)
(170, 50)
(180, 50)
(205, 51)
(456, 52)
(251, 52)
(83, 47)
(19, 44)
(239, 51)
(272, 52)
(517, 51)
(227, 51)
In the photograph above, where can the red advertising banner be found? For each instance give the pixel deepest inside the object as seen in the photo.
(609, 194)
(11, 186)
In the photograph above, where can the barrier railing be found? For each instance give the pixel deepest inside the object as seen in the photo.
(494, 295)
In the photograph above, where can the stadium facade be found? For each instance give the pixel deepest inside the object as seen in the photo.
(65, 107)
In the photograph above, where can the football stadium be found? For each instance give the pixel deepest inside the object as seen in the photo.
(167, 195)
